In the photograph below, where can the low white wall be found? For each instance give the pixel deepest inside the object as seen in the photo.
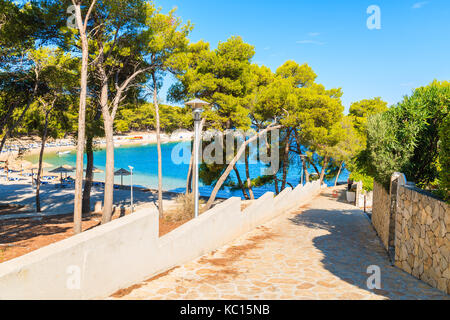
(126, 251)
(105, 258)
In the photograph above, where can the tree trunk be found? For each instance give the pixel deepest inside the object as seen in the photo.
(191, 163)
(314, 166)
(247, 173)
(77, 211)
(109, 170)
(241, 185)
(3, 141)
(225, 175)
(302, 157)
(338, 174)
(41, 156)
(285, 159)
(4, 120)
(24, 111)
(324, 166)
(277, 190)
(89, 175)
(305, 170)
(158, 143)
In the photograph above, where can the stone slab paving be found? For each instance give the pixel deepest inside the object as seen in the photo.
(320, 251)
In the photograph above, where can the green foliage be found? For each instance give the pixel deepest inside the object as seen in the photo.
(220, 77)
(262, 180)
(210, 173)
(444, 158)
(360, 111)
(141, 117)
(367, 180)
(427, 107)
(406, 137)
(390, 144)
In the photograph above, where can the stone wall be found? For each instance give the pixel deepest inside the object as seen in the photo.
(381, 213)
(422, 237)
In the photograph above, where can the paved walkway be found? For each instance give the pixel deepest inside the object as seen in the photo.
(320, 251)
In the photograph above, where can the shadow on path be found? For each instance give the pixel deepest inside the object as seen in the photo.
(351, 246)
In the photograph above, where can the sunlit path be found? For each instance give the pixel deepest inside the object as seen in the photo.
(320, 251)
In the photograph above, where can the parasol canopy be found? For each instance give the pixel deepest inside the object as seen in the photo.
(122, 172)
(63, 169)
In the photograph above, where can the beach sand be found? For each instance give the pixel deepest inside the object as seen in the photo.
(147, 138)
(56, 201)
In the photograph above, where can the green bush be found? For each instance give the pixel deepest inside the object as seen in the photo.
(406, 138)
(390, 144)
(444, 158)
(366, 180)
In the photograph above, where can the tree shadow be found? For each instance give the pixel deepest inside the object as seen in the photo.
(350, 246)
(15, 230)
(60, 201)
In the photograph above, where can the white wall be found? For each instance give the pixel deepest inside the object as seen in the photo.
(129, 250)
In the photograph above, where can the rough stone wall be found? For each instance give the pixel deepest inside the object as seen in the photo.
(381, 213)
(422, 237)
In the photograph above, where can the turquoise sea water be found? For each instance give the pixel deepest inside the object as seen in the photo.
(145, 162)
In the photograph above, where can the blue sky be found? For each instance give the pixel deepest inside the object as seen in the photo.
(410, 50)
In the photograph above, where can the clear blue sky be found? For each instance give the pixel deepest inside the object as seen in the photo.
(411, 49)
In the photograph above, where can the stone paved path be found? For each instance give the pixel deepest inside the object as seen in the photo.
(320, 251)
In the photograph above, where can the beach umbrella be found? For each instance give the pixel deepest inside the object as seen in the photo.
(19, 165)
(122, 172)
(62, 170)
(35, 166)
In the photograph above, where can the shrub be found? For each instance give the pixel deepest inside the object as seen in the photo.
(390, 144)
(366, 180)
(444, 158)
(406, 137)
(184, 208)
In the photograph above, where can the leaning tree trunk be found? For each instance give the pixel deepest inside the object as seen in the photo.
(2, 143)
(241, 185)
(24, 111)
(324, 166)
(314, 166)
(77, 211)
(3, 124)
(158, 145)
(41, 156)
(305, 170)
(285, 159)
(275, 179)
(109, 170)
(338, 174)
(230, 167)
(247, 173)
(191, 163)
(7, 116)
(89, 175)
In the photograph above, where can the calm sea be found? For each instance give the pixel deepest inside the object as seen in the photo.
(145, 162)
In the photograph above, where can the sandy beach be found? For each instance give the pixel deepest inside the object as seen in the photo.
(54, 200)
(32, 144)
